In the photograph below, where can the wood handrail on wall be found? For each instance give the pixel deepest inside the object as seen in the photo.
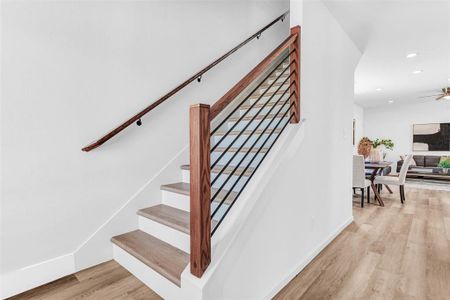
(200, 117)
(196, 76)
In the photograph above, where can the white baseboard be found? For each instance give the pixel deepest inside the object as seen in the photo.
(29, 277)
(304, 262)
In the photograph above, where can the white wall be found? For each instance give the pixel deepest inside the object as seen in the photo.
(306, 203)
(396, 122)
(358, 116)
(73, 70)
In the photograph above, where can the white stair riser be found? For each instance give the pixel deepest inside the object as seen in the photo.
(165, 233)
(219, 214)
(217, 184)
(176, 200)
(182, 202)
(275, 74)
(161, 285)
(264, 111)
(239, 156)
(266, 97)
(274, 87)
(242, 124)
(230, 183)
(236, 141)
(185, 175)
(229, 124)
(240, 161)
(278, 72)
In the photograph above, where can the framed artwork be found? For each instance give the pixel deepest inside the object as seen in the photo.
(354, 132)
(431, 137)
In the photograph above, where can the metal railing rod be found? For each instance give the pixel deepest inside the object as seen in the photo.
(256, 128)
(251, 106)
(239, 165)
(251, 175)
(236, 167)
(249, 136)
(249, 122)
(250, 94)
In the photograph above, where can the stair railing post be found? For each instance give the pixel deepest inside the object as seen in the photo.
(200, 188)
(295, 77)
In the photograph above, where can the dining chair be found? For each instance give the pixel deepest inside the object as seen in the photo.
(397, 180)
(359, 177)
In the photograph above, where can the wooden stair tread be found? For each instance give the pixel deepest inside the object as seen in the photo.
(274, 76)
(158, 255)
(258, 117)
(268, 94)
(266, 84)
(227, 171)
(184, 188)
(170, 216)
(249, 131)
(178, 187)
(260, 104)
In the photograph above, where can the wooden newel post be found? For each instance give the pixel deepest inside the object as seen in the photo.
(295, 77)
(200, 188)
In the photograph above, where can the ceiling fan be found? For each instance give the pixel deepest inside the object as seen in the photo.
(445, 95)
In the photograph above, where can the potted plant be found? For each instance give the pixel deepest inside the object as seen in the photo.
(445, 165)
(386, 143)
(382, 145)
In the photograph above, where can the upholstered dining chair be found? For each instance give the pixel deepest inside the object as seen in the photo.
(359, 177)
(397, 180)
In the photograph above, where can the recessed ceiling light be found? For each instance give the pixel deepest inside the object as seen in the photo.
(378, 89)
(411, 55)
(391, 101)
(417, 71)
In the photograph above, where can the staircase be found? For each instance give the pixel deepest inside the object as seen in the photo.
(247, 121)
(161, 245)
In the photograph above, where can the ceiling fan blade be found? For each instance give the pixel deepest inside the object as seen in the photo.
(430, 96)
(439, 98)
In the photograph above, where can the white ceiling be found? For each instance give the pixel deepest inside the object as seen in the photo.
(386, 31)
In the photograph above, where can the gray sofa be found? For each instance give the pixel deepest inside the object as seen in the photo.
(426, 166)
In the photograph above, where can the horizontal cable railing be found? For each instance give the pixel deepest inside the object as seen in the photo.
(253, 145)
(223, 160)
(243, 143)
(197, 76)
(248, 165)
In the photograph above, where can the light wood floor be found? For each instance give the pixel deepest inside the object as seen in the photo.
(102, 282)
(395, 252)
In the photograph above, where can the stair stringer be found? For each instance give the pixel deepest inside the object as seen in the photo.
(244, 209)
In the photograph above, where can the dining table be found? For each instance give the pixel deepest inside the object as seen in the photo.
(372, 170)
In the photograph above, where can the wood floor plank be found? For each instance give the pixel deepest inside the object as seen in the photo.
(89, 286)
(97, 271)
(44, 291)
